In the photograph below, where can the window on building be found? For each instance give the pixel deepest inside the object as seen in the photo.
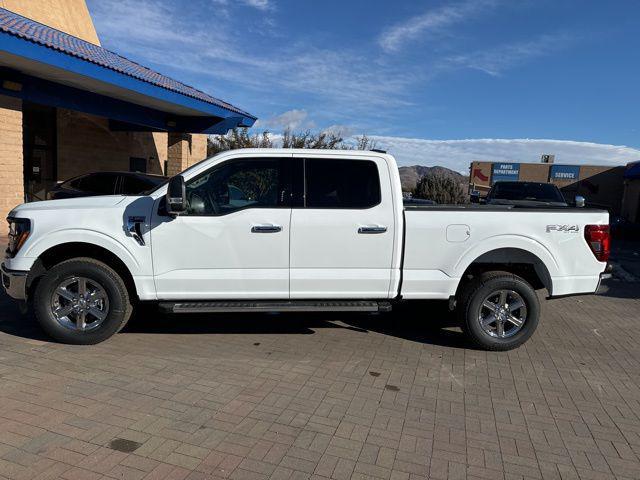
(341, 183)
(137, 164)
(237, 185)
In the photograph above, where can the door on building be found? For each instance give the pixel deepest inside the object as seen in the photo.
(39, 142)
(233, 240)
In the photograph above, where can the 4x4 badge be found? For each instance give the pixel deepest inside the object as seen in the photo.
(563, 228)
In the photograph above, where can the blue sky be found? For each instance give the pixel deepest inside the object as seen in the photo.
(435, 82)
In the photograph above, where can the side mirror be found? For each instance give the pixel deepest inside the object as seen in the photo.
(176, 196)
(580, 201)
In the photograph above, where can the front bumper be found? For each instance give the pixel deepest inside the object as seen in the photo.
(14, 282)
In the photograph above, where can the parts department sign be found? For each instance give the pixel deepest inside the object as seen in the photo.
(505, 172)
(564, 173)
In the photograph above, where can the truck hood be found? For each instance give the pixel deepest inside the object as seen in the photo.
(82, 203)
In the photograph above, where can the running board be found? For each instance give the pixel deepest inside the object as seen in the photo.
(276, 306)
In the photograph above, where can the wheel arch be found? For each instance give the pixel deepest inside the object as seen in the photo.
(518, 261)
(65, 251)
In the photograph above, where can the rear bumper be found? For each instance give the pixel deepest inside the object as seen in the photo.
(572, 286)
(14, 282)
(604, 276)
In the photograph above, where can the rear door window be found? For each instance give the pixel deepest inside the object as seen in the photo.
(344, 184)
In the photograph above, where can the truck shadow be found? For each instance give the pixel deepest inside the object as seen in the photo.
(429, 323)
(618, 288)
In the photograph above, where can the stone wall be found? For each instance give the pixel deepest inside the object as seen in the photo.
(11, 166)
(184, 150)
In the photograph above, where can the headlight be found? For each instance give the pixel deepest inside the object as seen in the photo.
(19, 229)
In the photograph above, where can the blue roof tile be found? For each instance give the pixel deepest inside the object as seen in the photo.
(33, 31)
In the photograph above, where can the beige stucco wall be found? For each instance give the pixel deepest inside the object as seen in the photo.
(11, 183)
(85, 144)
(70, 16)
(534, 172)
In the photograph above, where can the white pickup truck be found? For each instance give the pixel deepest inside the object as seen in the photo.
(296, 230)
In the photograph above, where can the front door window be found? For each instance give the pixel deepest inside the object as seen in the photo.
(236, 186)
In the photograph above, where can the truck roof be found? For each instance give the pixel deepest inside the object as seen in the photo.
(304, 151)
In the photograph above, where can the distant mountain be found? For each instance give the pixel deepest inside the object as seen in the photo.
(409, 176)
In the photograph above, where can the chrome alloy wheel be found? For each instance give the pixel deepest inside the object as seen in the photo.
(80, 304)
(503, 313)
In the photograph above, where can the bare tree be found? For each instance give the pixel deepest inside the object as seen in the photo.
(365, 143)
(238, 138)
(440, 188)
(324, 140)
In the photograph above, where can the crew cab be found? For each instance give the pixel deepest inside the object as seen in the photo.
(296, 230)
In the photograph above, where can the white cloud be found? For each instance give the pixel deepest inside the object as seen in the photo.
(344, 131)
(458, 154)
(292, 119)
(153, 33)
(432, 21)
(494, 61)
(259, 4)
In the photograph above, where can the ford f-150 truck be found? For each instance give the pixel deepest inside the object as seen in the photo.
(295, 230)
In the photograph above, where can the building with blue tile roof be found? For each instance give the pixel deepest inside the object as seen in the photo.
(68, 106)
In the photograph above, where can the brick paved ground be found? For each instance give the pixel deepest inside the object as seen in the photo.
(326, 396)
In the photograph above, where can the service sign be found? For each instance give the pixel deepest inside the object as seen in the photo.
(564, 173)
(505, 171)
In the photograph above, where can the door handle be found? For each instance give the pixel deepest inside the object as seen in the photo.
(373, 229)
(266, 229)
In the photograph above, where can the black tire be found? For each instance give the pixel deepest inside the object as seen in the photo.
(116, 291)
(477, 290)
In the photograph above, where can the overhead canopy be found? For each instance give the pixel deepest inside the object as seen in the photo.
(44, 65)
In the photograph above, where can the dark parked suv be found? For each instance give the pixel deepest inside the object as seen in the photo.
(106, 183)
(526, 194)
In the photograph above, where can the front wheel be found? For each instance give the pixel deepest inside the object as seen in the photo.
(499, 310)
(81, 301)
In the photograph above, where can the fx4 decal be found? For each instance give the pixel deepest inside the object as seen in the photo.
(563, 228)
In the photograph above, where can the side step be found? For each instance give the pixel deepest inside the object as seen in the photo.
(277, 306)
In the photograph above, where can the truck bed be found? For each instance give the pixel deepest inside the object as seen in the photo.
(439, 247)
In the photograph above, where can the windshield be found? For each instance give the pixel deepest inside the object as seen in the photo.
(540, 192)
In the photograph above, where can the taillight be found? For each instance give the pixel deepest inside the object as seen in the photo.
(599, 241)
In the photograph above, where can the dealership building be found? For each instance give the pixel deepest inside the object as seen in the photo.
(69, 106)
(616, 188)
(631, 195)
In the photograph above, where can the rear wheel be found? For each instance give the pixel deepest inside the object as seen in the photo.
(499, 310)
(82, 301)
